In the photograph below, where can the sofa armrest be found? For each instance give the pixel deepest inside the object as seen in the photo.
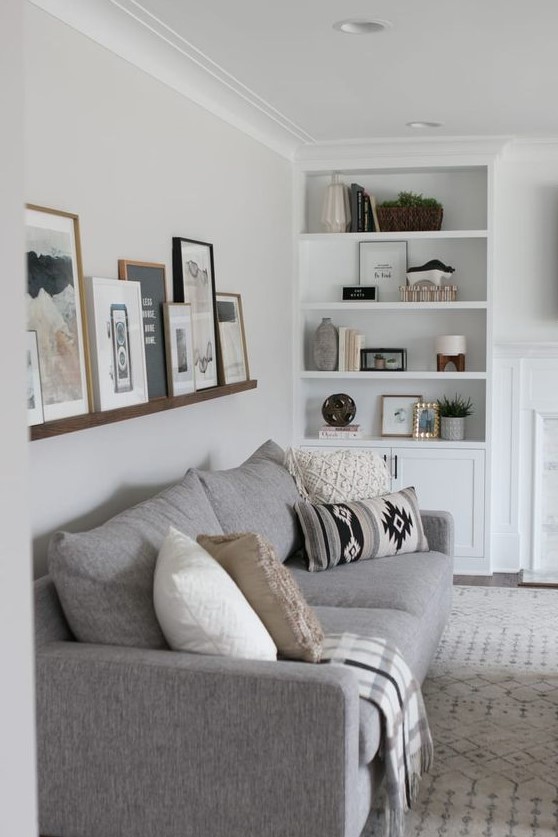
(439, 530)
(141, 743)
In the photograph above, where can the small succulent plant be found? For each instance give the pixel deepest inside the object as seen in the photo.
(456, 407)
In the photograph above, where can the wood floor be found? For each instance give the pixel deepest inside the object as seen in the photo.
(500, 580)
(495, 580)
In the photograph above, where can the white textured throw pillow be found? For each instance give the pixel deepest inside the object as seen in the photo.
(338, 476)
(200, 608)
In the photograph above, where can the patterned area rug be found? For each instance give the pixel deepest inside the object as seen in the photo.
(492, 702)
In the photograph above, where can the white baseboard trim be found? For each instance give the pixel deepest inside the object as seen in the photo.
(471, 566)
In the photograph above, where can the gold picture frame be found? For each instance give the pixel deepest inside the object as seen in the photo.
(426, 420)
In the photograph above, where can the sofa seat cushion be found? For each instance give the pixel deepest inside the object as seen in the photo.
(398, 582)
(397, 627)
(104, 577)
(258, 496)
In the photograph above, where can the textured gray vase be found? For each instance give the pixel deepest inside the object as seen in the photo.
(452, 428)
(325, 346)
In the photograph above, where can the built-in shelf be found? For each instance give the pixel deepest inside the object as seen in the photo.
(395, 236)
(393, 441)
(157, 405)
(345, 305)
(419, 375)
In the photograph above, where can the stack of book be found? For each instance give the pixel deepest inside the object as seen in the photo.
(351, 431)
(364, 217)
(351, 342)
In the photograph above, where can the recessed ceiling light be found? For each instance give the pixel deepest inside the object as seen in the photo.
(362, 27)
(421, 124)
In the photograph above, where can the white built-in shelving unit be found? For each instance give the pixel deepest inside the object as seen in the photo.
(452, 475)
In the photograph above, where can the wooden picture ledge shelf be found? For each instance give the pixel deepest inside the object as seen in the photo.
(157, 405)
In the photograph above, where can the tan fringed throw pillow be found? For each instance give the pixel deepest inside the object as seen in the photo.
(271, 590)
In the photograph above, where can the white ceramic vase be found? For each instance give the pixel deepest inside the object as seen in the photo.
(336, 211)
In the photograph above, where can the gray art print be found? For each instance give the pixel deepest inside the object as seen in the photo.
(53, 311)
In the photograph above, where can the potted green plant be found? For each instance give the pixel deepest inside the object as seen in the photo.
(453, 412)
(410, 211)
(379, 361)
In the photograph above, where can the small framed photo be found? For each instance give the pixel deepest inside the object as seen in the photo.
(383, 360)
(55, 310)
(151, 278)
(35, 413)
(397, 414)
(383, 263)
(117, 347)
(179, 346)
(426, 420)
(232, 339)
(194, 282)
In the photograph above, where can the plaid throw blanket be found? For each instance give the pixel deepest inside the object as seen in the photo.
(386, 680)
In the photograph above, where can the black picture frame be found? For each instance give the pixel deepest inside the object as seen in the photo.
(194, 282)
(151, 277)
(383, 360)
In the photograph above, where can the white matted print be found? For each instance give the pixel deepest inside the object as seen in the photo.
(194, 282)
(232, 340)
(117, 348)
(35, 413)
(54, 301)
(179, 347)
(398, 413)
(383, 263)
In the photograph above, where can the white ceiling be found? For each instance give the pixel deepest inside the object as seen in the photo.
(482, 67)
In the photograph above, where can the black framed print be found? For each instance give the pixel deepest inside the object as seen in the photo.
(151, 277)
(194, 282)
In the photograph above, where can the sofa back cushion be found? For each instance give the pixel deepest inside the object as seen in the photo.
(258, 496)
(104, 577)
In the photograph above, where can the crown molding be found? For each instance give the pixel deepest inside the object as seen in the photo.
(127, 29)
(531, 149)
(400, 151)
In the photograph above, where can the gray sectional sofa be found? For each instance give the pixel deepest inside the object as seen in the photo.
(135, 740)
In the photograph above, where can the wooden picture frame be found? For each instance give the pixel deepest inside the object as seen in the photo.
(194, 282)
(179, 347)
(151, 277)
(56, 310)
(398, 414)
(35, 413)
(232, 339)
(426, 420)
(114, 313)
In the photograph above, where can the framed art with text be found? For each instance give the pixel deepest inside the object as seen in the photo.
(180, 353)
(232, 339)
(151, 278)
(55, 310)
(117, 350)
(194, 282)
(383, 263)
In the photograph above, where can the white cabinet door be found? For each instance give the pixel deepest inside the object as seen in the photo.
(450, 480)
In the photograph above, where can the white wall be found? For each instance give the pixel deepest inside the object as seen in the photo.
(17, 747)
(526, 334)
(526, 235)
(139, 163)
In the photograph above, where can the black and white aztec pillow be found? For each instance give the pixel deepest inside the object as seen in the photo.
(340, 533)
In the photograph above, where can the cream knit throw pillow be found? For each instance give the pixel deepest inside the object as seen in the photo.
(338, 476)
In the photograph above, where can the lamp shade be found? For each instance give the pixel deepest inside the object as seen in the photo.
(451, 344)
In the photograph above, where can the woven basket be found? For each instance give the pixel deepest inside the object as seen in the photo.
(409, 218)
